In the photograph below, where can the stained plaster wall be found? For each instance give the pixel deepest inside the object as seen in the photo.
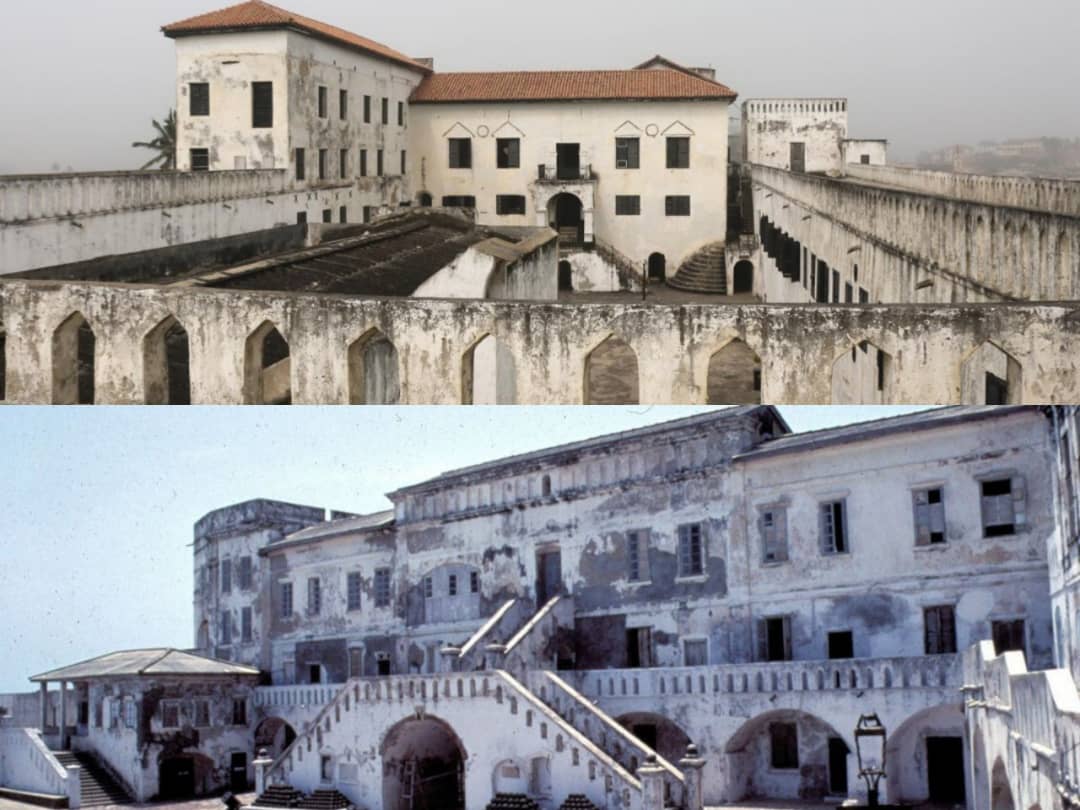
(1063, 548)
(855, 150)
(913, 247)
(594, 125)
(770, 126)
(23, 709)
(798, 345)
(591, 272)
(135, 754)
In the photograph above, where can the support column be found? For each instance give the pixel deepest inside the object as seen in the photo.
(692, 765)
(652, 784)
(63, 716)
(44, 704)
(262, 769)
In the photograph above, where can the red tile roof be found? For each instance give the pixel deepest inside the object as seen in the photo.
(568, 85)
(256, 14)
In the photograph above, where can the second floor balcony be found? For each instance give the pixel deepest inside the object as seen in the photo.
(565, 173)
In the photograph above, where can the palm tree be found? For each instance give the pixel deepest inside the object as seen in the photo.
(164, 144)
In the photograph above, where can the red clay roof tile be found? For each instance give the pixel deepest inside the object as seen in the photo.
(255, 14)
(567, 85)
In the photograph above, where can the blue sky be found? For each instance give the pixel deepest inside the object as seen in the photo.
(98, 503)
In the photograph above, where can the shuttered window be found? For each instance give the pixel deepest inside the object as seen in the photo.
(1003, 506)
(773, 527)
(774, 639)
(508, 153)
(314, 596)
(637, 556)
(200, 160)
(628, 153)
(382, 587)
(301, 164)
(929, 505)
(245, 624)
(677, 206)
(940, 628)
(286, 600)
(386, 111)
(363, 162)
(353, 588)
(1009, 636)
(367, 109)
(323, 113)
(226, 576)
(691, 551)
(245, 573)
(627, 205)
(199, 98)
(833, 528)
(509, 204)
(225, 635)
(695, 653)
(460, 153)
(262, 105)
(678, 153)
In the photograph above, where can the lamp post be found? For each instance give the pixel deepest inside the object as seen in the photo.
(870, 748)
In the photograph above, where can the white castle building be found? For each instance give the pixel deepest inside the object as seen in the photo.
(563, 624)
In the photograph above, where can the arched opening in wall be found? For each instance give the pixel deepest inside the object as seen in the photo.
(786, 754)
(73, 359)
(374, 377)
(479, 373)
(925, 758)
(267, 367)
(991, 376)
(657, 267)
(863, 375)
(611, 374)
(185, 776)
(566, 215)
(275, 735)
(734, 376)
(1001, 797)
(166, 366)
(744, 277)
(510, 777)
(423, 762)
(566, 276)
(424, 200)
(658, 732)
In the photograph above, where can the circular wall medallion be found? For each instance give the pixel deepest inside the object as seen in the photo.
(483, 131)
(652, 130)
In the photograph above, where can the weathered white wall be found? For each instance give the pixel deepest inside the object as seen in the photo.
(770, 126)
(592, 273)
(855, 149)
(26, 764)
(465, 277)
(595, 125)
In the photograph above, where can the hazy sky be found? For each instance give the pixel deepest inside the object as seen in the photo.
(99, 503)
(83, 79)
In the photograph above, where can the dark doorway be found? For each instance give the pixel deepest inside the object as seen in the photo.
(657, 267)
(177, 364)
(997, 390)
(646, 732)
(822, 283)
(945, 769)
(425, 200)
(639, 648)
(798, 157)
(838, 754)
(314, 673)
(778, 639)
(566, 276)
(548, 576)
(568, 219)
(744, 277)
(176, 778)
(238, 781)
(382, 665)
(841, 645)
(568, 161)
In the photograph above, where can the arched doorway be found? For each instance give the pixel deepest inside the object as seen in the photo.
(734, 376)
(479, 373)
(611, 374)
(73, 361)
(658, 732)
(274, 735)
(744, 277)
(424, 200)
(166, 364)
(566, 276)
(933, 736)
(658, 267)
(268, 367)
(373, 371)
(566, 215)
(425, 758)
(1001, 797)
(862, 376)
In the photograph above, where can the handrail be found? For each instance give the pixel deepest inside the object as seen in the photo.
(532, 623)
(489, 625)
(53, 774)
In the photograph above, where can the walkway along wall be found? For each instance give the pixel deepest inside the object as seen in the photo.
(924, 354)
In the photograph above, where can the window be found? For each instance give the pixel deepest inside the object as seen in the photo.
(322, 164)
(677, 206)
(239, 711)
(509, 204)
(199, 98)
(627, 205)
(245, 624)
(628, 153)
(451, 587)
(200, 160)
(382, 663)
(301, 164)
(315, 673)
(245, 573)
(369, 213)
(457, 201)
(429, 587)
(474, 582)
(343, 163)
(356, 662)
(1002, 506)
(864, 160)
(833, 527)
(367, 109)
(353, 585)
(784, 745)
(382, 587)
(170, 713)
(202, 713)
(301, 218)
(929, 516)
(691, 553)
(774, 544)
(379, 163)
(1009, 636)
(262, 105)
(940, 627)
(774, 639)
(841, 645)
(343, 214)
(545, 486)
(508, 153)
(637, 556)
(326, 768)
(130, 712)
(314, 596)
(363, 162)
(226, 576)
(695, 653)
(343, 104)
(327, 215)
(286, 600)
(225, 636)
(401, 113)
(460, 153)
(322, 103)
(386, 111)
(678, 153)
(404, 162)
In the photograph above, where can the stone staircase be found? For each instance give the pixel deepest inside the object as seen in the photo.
(97, 787)
(281, 796)
(324, 800)
(704, 272)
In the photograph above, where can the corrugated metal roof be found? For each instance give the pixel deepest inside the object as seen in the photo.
(156, 661)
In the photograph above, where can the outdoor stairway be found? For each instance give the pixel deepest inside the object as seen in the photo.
(704, 272)
(97, 787)
(325, 800)
(578, 802)
(280, 796)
